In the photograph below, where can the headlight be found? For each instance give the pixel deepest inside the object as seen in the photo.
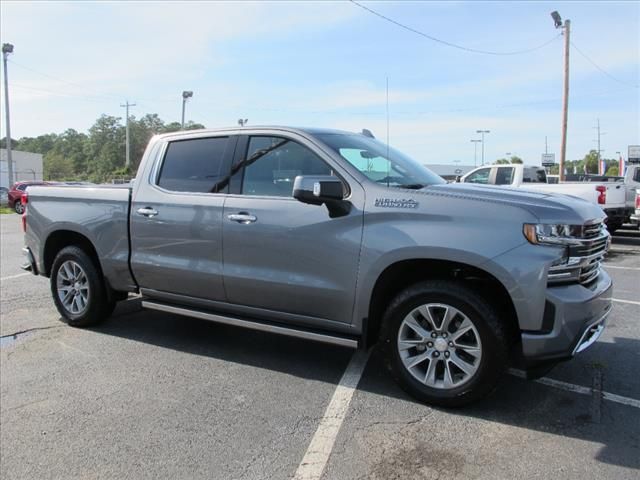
(560, 234)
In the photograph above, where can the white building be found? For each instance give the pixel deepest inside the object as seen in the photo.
(26, 166)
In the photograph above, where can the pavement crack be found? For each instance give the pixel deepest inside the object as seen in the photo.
(29, 330)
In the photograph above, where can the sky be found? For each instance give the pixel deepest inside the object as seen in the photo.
(327, 63)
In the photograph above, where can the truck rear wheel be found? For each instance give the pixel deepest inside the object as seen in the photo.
(78, 289)
(443, 343)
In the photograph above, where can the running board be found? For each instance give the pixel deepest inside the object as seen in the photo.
(264, 327)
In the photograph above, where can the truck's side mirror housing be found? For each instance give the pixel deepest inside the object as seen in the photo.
(322, 189)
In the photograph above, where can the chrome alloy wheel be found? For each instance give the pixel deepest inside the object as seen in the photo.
(439, 345)
(72, 285)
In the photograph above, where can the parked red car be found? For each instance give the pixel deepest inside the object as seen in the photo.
(15, 193)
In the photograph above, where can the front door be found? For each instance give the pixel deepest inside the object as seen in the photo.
(283, 255)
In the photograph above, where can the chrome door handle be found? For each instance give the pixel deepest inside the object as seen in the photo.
(242, 217)
(147, 212)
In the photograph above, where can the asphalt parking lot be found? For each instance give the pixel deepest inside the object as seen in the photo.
(154, 395)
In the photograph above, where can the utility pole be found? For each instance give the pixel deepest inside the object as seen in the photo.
(546, 145)
(483, 132)
(127, 163)
(600, 150)
(7, 48)
(185, 94)
(565, 92)
(475, 151)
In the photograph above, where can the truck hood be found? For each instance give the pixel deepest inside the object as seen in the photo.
(547, 207)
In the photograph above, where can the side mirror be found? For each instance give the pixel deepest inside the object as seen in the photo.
(322, 189)
(458, 178)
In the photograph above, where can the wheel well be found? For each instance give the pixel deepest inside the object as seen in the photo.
(65, 238)
(401, 275)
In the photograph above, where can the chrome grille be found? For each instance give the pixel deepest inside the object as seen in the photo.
(585, 257)
(592, 230)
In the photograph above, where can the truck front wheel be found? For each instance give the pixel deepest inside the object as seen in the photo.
(78, 289)
(443, 343)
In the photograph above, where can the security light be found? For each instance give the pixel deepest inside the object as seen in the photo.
(556, 19)
(7, 48)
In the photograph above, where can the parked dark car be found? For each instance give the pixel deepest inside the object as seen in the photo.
(15, 193)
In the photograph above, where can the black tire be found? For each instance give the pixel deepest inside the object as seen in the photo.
(18, 207)
(98, 307)
(492, 333)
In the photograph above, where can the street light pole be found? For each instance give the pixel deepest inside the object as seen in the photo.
(475, 151)
(483, 132)
(7, 48)
(185, 94)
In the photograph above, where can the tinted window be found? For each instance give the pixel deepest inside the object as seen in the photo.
(504, 175)
(273, 163)
(636, 175)
(534, 175)
(21, 187)
(480, 176)
(194, 165)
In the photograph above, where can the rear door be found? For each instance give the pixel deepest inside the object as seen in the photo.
(283, 255)
(176, 219)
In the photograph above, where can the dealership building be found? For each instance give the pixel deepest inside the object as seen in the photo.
(26, 166)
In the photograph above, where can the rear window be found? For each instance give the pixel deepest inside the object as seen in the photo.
(534, 175)
(504, 175)
(194, 165)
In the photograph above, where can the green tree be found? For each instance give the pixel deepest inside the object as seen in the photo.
(105, 147)
(516, 159)
(591, 160)
(71, 145)
(501, 161)
(613, 171)
(57, 167)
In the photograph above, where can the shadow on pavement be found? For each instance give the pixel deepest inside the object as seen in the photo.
(516, 402)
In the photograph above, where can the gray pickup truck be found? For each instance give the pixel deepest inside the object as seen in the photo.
(335, 237)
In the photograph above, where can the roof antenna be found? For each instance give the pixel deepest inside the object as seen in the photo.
(367, 133)
(388, 161)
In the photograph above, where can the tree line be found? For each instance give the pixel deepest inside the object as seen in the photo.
(98, 155)
(589, 164)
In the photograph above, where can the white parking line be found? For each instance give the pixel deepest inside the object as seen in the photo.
(317, 454)
(625, 301)
(621, 268)
(570, 387)
(16, 276)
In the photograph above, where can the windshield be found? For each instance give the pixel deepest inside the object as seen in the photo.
(380, 163)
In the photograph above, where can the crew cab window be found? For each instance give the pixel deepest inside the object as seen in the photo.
(504, 175)
(534, 175)
(273, 163)
(480, 176)
(636, 175)
(195, 165)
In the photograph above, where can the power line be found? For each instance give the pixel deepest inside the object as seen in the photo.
(449, 44)
(111, 97)
(586, 57)
(62, 94)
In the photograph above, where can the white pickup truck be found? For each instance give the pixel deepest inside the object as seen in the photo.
(615, 198)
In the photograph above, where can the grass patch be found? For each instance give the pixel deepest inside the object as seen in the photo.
(6, 210)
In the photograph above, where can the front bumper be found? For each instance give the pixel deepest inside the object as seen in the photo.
(579, 317)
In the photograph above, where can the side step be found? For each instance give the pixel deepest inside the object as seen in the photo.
(254, 325)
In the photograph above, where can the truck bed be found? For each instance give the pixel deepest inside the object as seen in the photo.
(99, 213)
